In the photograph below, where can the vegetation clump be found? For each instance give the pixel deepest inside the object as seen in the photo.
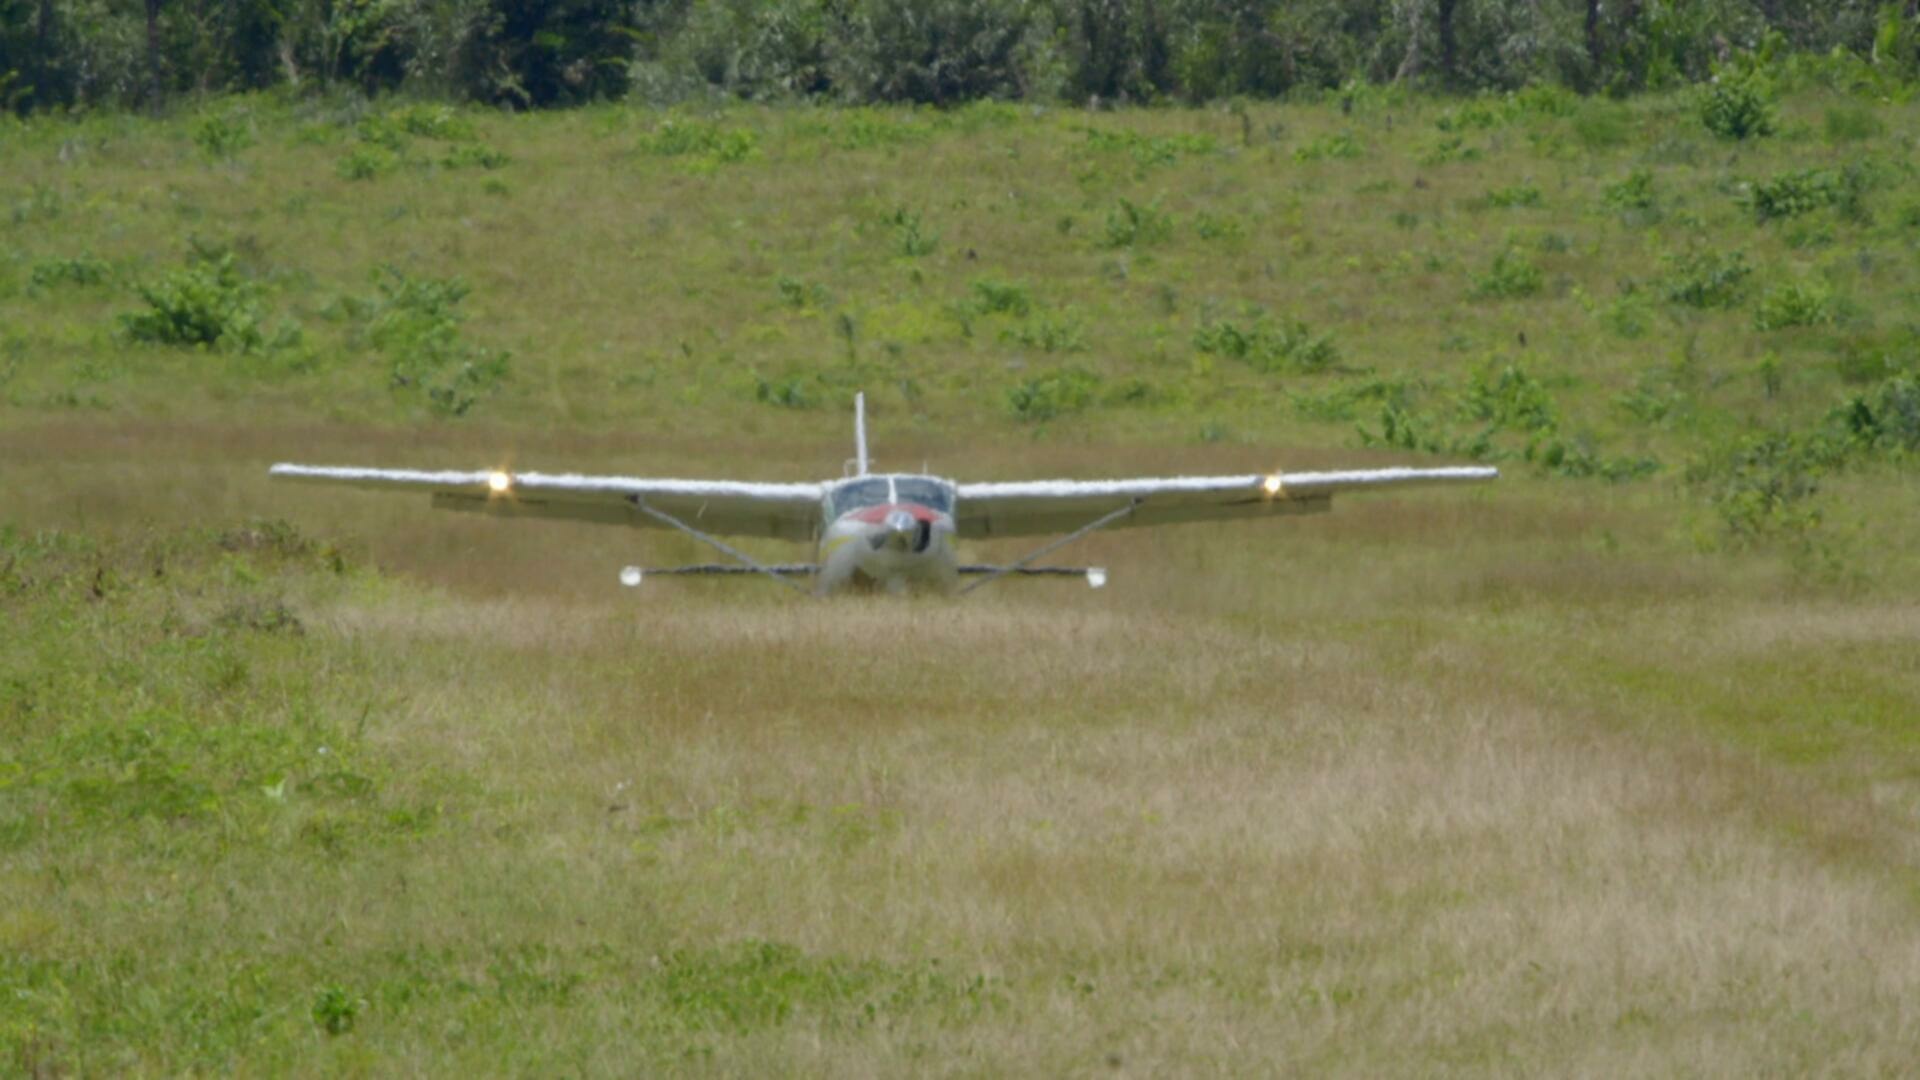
(1796, 304)
(1511, 276)
(1737, 107)
(1130, 224)
(415, 324)
(1053, 394)
(209, 303)
(1269, 345)
(1705, 279)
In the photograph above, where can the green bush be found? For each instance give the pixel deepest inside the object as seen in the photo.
(1799, 304)
(1736, 107)
(1887, 419)
(786, 392)
(83, 269)
(912, 237)
(1269, 345)
(1794, 193)
(1762, 486)
(1634, 192)
(415, 325)
(368, 161)
(702, 144)
(1130, 224)
(992, 297)
(1327, 147)
(1705, 279)
(1053, 394)
(1525, 193)
(1506, 397)
(1049, 333)
(222, 135)
(1511, 276)
(208, 303)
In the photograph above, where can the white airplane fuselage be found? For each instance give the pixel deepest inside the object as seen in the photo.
(891, 532)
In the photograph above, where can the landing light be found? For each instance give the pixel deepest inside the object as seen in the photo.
(630, 576)
(1096, 577)
(1272, 484)
(498, 482)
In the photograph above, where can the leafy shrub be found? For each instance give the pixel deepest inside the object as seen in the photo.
(1705, 279)
(992, 297)
(1449, 148)
(799, 294)
(368, 161)
(222, 135)
(208, 303)
(1404, 428)
(703, 145)
(475, 155)
(1887, 419)
(1327, 147)
(1794, 193)
(1131, 225)
(1049, 334)
(433, 122)
(1477, 115)
(1808, 304)
(911, 236)
(1209, 226)
(1525, 193)
(336, 1010)
(1576, 459)
(1634, 192)
(1269, 345)
(1506, 397)
(1736, 107)
(415, 325)
(1056, 393)
(1149, 150)
(1762, 485)
(787, 392)
(1511, 276)
(83, 269)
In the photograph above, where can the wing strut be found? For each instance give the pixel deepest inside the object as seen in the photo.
(717, 544)
(1021, 563)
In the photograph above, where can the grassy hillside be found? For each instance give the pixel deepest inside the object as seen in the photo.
(1610, 767)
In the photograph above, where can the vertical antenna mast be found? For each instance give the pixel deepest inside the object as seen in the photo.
(860, 431)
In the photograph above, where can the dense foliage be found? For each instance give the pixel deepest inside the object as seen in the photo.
(530, 53)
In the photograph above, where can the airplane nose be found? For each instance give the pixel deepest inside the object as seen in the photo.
(899, 521)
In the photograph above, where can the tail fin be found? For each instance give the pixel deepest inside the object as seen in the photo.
(860, 431)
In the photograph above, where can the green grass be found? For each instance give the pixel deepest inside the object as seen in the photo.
(1608, 768)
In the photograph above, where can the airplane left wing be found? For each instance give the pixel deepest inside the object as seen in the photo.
(1038, 507)
(722, 507)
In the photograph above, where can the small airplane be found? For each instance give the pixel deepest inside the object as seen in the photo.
(889, 531)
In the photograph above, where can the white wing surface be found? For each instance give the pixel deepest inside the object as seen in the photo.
(1037, 507)
(723, 507)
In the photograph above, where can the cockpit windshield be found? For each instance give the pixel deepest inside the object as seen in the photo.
(878, 490)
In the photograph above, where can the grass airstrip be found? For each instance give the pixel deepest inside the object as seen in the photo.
(1612, 767)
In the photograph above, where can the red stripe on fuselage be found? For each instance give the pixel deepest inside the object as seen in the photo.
(877, 515)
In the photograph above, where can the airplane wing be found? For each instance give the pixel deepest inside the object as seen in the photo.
(1037, 507)
(723, 507)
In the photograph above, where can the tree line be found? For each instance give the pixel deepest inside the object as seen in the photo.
(57, 54)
